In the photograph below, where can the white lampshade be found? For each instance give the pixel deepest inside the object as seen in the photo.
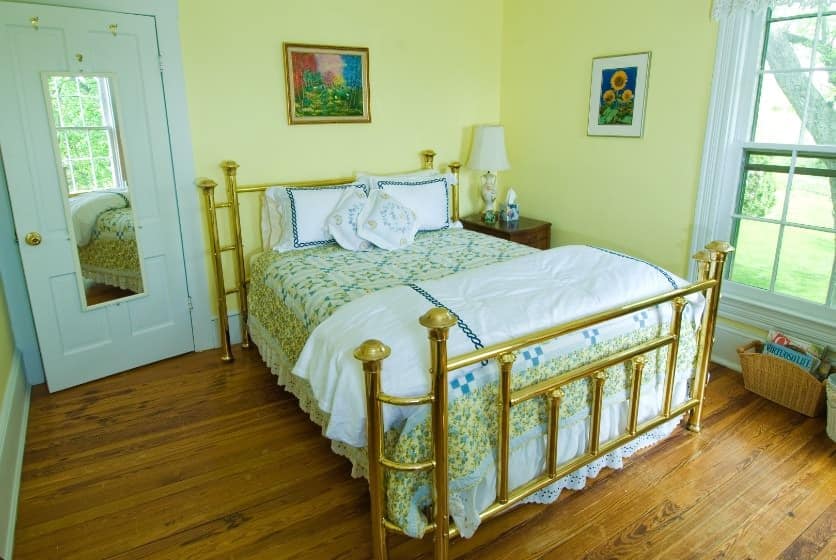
(488, 150)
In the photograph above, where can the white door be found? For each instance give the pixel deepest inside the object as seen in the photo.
(82, 126)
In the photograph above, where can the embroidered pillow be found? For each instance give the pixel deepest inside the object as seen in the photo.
(303, 214)
(386, 222)
(428, 196)
(342, 223)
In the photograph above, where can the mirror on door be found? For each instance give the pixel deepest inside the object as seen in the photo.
(90, 156)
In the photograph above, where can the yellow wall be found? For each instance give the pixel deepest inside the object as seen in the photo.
(434, 72)
(631, 194)
(7, 346)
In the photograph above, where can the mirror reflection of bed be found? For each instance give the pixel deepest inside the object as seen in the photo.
(106, 242)
(86, 126)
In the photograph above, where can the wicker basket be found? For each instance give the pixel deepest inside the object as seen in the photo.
(780, 381)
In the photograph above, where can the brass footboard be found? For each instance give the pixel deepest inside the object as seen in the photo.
(438, 323)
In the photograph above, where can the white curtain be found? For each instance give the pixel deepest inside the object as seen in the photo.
(725, 8)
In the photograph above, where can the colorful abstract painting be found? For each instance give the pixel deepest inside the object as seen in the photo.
(618, 95)
(327, 84)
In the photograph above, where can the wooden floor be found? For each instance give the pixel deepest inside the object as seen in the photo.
(193, 459)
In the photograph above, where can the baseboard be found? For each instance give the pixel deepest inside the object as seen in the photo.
(14, 415)
(234, 331)
(726, 341)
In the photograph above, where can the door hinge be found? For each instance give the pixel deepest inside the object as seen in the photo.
(189, 304)
(161, 62)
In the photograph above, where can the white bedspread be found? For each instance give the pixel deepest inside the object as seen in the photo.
(496, 303)
(86, 208)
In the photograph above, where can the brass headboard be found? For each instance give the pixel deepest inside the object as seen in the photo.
(233, 189)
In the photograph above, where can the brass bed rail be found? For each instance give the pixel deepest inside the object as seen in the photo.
(438, 322)
(233, 190)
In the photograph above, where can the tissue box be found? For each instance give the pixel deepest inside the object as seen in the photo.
(509, 213)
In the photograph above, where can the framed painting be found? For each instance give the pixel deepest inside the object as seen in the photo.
(618, 95)
(327, 84)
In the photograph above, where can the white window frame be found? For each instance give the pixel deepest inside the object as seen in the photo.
(110, 127)
(733, 97)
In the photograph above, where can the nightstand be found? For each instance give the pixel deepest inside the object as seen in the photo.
(528, 231)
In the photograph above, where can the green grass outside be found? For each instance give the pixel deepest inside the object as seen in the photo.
(806, 260)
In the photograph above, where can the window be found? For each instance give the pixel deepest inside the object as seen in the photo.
(82, 112)
(768, 179)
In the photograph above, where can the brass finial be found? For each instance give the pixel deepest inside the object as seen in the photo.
(428, 158)
(206, 183)
(372, 351)
(719, 247)
(702, 256)
(229, 166)
(507, 358)
(558, 394)
(437, 318)
(454, 166)
(639, 361)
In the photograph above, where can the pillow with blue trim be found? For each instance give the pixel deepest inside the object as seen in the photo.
(386, 222)
(428, 196)
(301, 215)
(342, 223)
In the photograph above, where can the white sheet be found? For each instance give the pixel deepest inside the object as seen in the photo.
(86, 208)
(497, 302)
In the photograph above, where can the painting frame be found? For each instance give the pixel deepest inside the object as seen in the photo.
(333, 76)
(618, 95)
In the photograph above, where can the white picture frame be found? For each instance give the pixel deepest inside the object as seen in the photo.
(618, 95)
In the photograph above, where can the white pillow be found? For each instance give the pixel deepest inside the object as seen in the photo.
(301, 214)
(271, 223)
(342, 223)
(386, 222)
(371, 179)
(428, 196)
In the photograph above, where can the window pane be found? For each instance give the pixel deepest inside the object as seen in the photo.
(788, 11)
(806, 264)
(821, 119)
(104, 173)
(779, 120)
(789, 44)
(755, 253)
(78, 145)
(71, 111)
(88, 87)
(770, 159)
(83, 172)
(826, 49)
(99, 143)
(66, 86)
(763, 194)
(92, 109)
(810, 202)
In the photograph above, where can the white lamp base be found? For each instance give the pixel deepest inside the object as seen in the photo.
(488, 193)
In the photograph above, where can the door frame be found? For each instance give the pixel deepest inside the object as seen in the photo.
(166, 16)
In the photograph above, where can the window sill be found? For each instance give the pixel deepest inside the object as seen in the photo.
(746, 310)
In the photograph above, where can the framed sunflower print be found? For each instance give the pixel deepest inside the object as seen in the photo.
(618, 95)
(327, 84)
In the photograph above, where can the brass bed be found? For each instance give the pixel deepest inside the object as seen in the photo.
(438, 322)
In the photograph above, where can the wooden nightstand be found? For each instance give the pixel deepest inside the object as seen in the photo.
(528, 231)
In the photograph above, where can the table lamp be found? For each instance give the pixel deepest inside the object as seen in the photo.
(488, 154)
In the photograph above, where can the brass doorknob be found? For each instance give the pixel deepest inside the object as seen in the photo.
(33, 238)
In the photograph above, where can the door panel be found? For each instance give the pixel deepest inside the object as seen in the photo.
(80, 343)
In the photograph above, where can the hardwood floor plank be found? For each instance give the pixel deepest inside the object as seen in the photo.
(190, 458)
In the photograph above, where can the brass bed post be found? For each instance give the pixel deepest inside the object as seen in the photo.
(427, 159)
(506, 362)
(715, 259)
(438, 321)
(454, 190)
(372, 353)
(231, 174)
(676, 325)
(208, 186)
